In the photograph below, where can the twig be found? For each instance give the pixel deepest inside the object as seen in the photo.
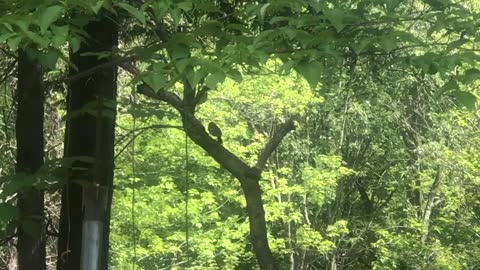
(7, 239)
(139, 133)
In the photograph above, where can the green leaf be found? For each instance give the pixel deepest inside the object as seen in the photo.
(48, 16)
(235, 75)
(213, 79)
(279, 19)
(185, 6)
(179, 50)
(96, 7)
(290, 32)
(7, 211)
(22, 24)
(14, 42)
(155, 81)
(466, 99)
(75, 43)
(17, 183)
(236, 27)
(181, 64)
(456, 44)
(8, 26)
(6, 36)
(336, 18)
(60, 35)
(194, 77)
(392, 5)
(263, 11)
(133, 11)
(286, 68)
(360, 47)
(437, 4)
(310, 71)
(388, 44)
(39, 40)
(176, 16)
(450, 85)
(49, 59)
(471, 75)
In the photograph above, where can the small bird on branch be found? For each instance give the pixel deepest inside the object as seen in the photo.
(215, 131)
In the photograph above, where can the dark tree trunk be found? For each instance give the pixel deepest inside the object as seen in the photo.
(258, 226)
(89, 133)
(29, 132)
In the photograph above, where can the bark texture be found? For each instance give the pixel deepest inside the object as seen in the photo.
(30, 141)
(89, 133)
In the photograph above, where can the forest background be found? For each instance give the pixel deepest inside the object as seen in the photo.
(236, 134)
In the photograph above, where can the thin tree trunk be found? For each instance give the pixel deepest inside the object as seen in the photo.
(411, 134)
(258, 226)
(430, 205)
(30, 142)
(91, 135)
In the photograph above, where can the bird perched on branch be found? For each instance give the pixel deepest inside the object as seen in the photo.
(215, 131)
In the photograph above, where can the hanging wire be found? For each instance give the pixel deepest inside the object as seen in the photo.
(187, 188)
(134, 234)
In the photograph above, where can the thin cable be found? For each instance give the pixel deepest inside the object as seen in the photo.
(134, 234)
(187, 183)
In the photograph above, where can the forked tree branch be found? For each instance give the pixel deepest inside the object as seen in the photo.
(273, 143)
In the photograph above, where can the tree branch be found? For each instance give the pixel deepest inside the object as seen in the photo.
(273, 143)
(115, 62)
(171, 98)
(7, 239)
(194, 128)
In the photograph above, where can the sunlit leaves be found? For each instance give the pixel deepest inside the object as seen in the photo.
(310, 239)
(322, 180)
(338, 229)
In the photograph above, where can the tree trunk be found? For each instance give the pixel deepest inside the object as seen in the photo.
(89, 133)
(258, 226)
(434, 189)
(30, 142)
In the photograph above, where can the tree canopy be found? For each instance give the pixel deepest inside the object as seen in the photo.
(297, 134)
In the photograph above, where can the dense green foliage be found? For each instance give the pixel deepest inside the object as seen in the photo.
(381, 172)
(339, 189)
